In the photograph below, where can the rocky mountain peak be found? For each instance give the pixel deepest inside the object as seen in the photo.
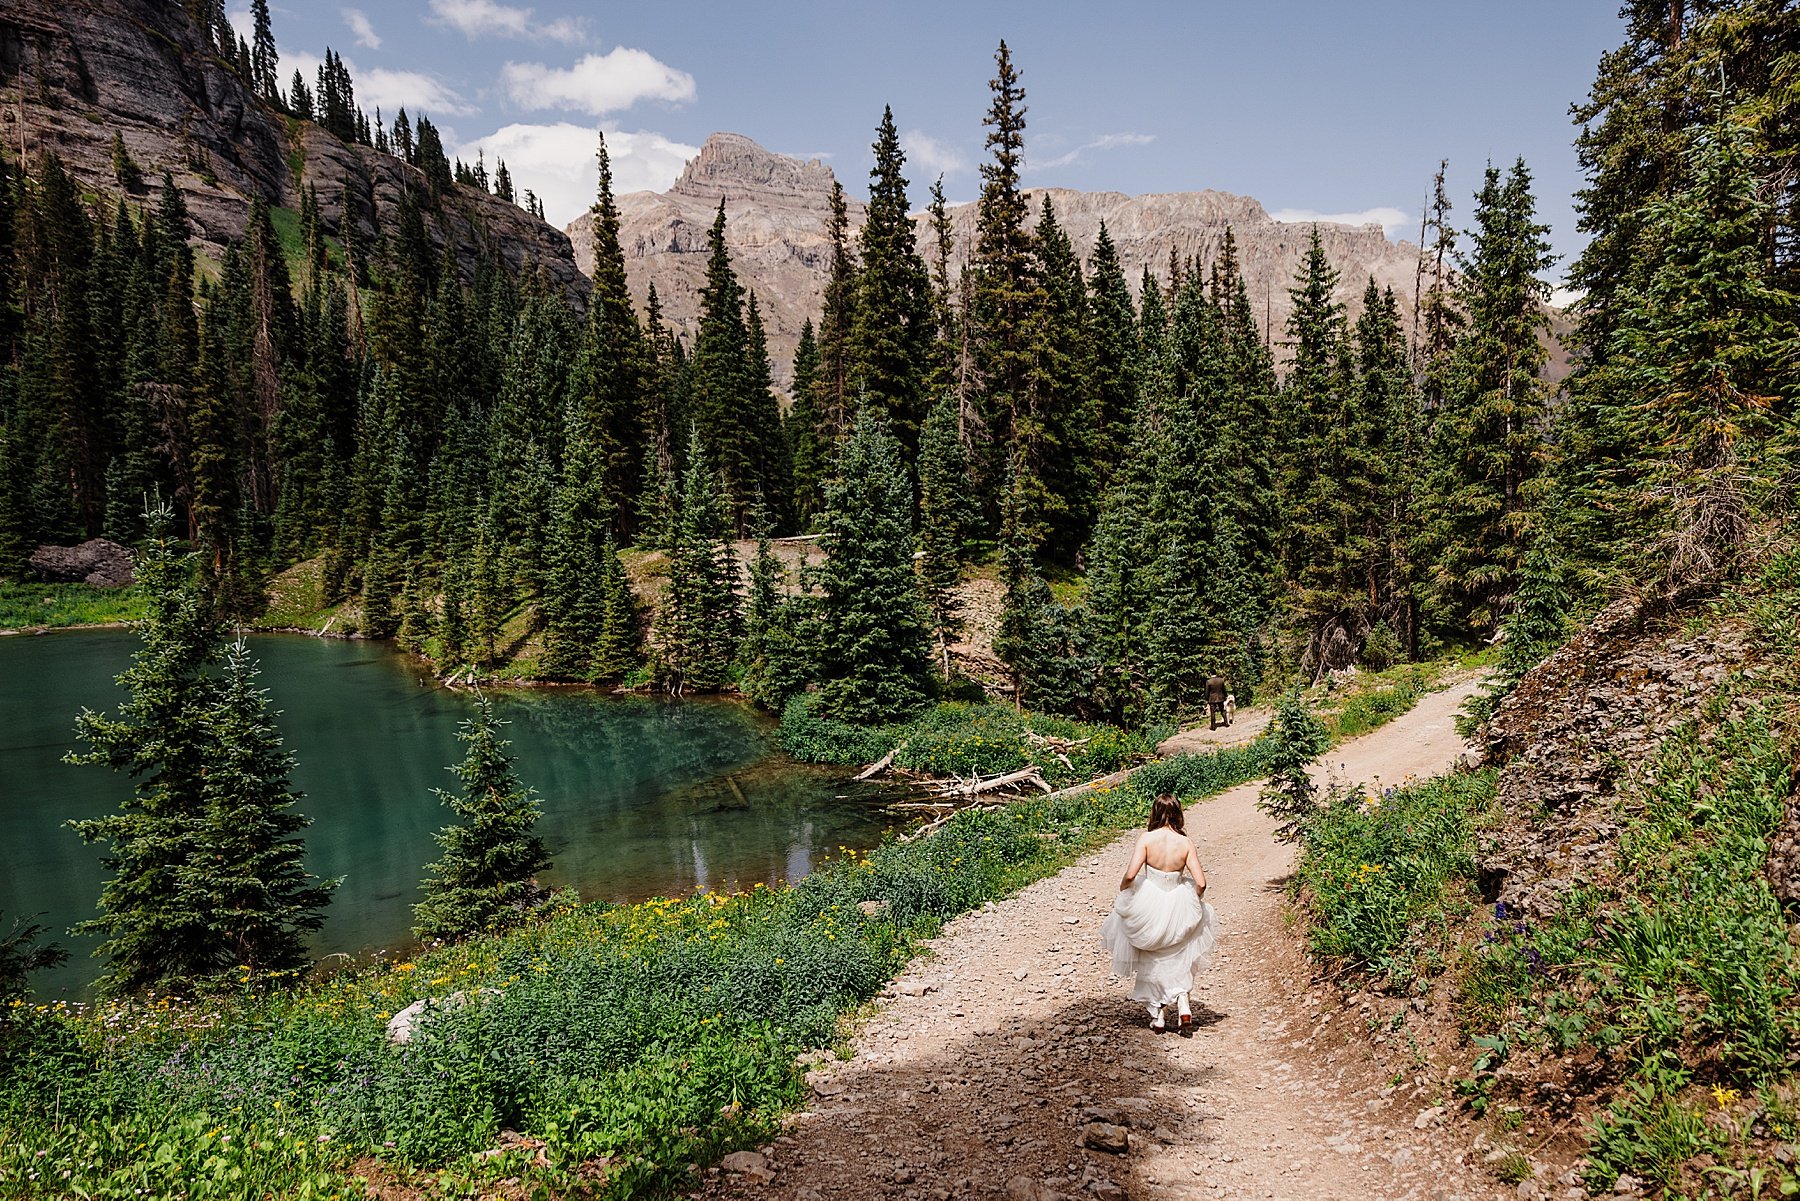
(731, 167)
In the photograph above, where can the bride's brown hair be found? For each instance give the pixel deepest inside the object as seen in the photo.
(1165, 810)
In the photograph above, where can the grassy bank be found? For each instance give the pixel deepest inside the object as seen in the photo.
(963, 738)
(625, 1042)
(55, 606)
(1668, 982)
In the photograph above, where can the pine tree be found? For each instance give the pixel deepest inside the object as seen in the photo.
(611, 369)
(1296, 739)
(836, 321)
(154, 925)
(1704, 366)
(125, 169)
(263, 57)
(946, 515)
(802, 430)
(20, 955)
(698, 623)
(259, 898)
(890, 335)
(1055, 420)
(731, 417)
(619, 649)
(1120, 582)
(300, 98)
(1539, 618)
(416, 624)
(872, 622)
(1004, 288)
(1113, 325)
(486, 877)
(1488, 440)
(762, 621)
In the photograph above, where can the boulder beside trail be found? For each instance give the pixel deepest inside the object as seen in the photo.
(98, 562)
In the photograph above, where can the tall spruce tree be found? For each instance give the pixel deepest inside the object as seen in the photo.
(699, 621)
(1113, 332)
(890, 333)
(260, 900)
(946, 515)
(611, 366)
(837, 320)
(154, 924)
(486, 877)
(1488, 439)
(1703, 368)
(802, 430)
(1004, 287)
(871, 619)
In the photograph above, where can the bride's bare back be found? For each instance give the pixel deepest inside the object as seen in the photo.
(1166, 851)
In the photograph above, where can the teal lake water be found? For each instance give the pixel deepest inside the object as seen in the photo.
(641, 797)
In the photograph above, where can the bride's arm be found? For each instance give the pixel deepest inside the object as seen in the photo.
(1193, 866)
(1137, 865)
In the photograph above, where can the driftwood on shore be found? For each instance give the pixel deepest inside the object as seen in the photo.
(976, 786)
(880, 765)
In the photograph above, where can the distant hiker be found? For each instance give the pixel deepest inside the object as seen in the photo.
(1161, 929)
(1216, 696)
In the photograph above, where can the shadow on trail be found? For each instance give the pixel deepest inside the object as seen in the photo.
(1001, 1115)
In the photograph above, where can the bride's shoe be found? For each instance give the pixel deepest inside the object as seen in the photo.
(1183, 1014)
(1156, 1018)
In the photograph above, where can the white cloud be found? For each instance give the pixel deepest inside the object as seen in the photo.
(242, 23)
(358, 21)
(598, 84)
(1108, 141)
(383, 88)
(486, 18)
(1564, 297)
(388, 90)
(1392, 220)
(938, 158)
(557, 162)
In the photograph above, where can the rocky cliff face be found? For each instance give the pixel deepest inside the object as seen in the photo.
(776, 209)
(73, 74)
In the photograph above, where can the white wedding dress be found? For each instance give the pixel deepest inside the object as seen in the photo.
(1161, 932)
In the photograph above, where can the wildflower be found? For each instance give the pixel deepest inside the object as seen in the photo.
(1724, 1097)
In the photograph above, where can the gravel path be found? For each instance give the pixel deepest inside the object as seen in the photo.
(1007, 1064)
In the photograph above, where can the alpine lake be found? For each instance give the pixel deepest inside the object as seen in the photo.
(641, 797)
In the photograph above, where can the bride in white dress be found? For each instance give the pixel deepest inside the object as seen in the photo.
(1161, 929)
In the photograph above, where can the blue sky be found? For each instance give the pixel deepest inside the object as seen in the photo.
(1311, 107)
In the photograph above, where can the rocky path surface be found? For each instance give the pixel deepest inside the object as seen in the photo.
(1007, 1064)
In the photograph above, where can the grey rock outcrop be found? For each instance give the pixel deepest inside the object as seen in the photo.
(96, 562)
(73, 74)
(776, 209)
(1581, 726)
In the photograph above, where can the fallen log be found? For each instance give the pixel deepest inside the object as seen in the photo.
(880, 765)
(977, 786)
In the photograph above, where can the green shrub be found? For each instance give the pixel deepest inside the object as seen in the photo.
(1386, 874)
(963, 738)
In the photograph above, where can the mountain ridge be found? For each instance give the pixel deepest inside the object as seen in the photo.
(776, 208)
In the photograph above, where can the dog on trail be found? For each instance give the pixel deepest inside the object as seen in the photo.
(1230, 707)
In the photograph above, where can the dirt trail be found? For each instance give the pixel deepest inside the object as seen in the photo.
(980, 1075)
